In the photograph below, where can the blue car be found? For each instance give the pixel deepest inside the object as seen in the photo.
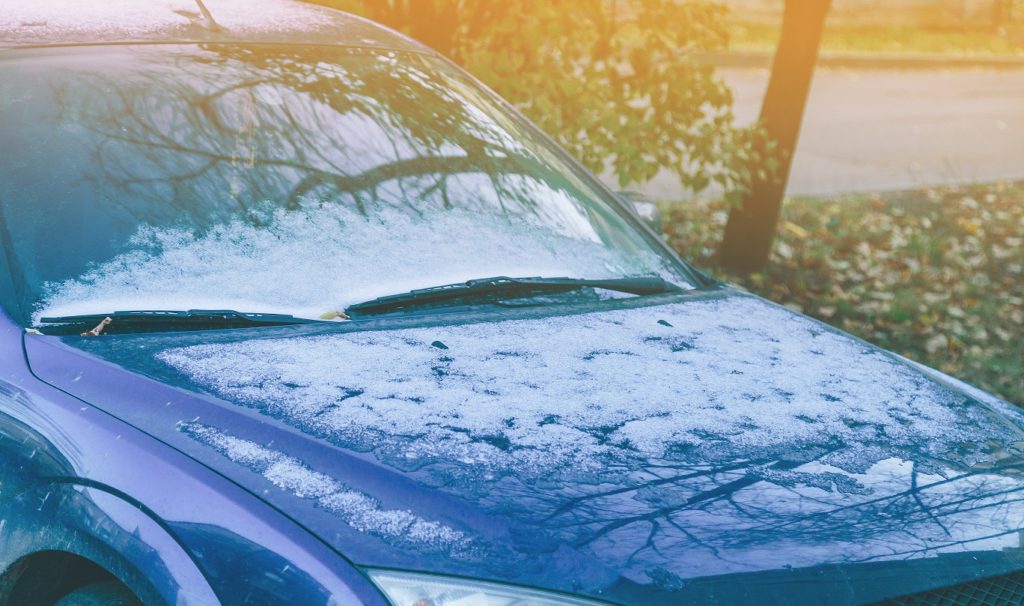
(295, 312)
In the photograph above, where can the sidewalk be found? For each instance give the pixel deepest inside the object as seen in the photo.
(850, 60)
(883, 129)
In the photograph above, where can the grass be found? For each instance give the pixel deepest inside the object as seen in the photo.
(758, 37)
(935, 275)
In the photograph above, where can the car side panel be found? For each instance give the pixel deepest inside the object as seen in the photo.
(76, 479)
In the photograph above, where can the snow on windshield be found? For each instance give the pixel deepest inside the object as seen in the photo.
(322, 258)
(358, 510)
(701, 382)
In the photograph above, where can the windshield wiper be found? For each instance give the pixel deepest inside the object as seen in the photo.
(495, 289)
(193, 319)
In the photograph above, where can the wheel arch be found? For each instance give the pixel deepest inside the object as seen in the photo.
(91, 533)
(44, 577)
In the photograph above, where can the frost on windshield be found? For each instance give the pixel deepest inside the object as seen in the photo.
(360, 511)
(670, 429)
(324, 257)
(299, 181)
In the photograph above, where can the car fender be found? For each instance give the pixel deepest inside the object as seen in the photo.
(93, 522)
(79, 480)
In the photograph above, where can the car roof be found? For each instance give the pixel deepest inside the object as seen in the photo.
(74, 22)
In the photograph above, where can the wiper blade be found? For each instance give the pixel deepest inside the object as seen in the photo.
(190, 319)
(495, 289)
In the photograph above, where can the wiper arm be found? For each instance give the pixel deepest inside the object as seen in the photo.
(193, 319)
(493, 289)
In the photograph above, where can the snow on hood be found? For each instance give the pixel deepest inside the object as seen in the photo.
(705, 435)
(359, 510)
(600, 393)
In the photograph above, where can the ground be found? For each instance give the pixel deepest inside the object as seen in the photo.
(936, 275)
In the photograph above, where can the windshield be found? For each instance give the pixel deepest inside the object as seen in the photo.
(282, 179)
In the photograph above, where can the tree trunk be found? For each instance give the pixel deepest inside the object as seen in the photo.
(750, 230)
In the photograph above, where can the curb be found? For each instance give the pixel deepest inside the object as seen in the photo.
(763, 59)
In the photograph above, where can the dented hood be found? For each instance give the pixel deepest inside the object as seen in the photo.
(702, 446)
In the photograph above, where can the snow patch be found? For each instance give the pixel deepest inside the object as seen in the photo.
(324, 257)
(61, 19)
(131, 17)
(268, 15)
(360, 511)
(702, 382)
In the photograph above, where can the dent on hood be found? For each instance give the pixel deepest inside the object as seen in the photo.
(668, 440)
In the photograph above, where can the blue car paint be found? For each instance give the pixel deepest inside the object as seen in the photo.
(79, 480)
(156, 399)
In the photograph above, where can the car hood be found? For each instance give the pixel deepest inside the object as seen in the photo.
(629, 450)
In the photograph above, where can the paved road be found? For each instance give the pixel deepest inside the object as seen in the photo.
(884, 130)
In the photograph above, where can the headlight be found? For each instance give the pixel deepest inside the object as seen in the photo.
(410, 589)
